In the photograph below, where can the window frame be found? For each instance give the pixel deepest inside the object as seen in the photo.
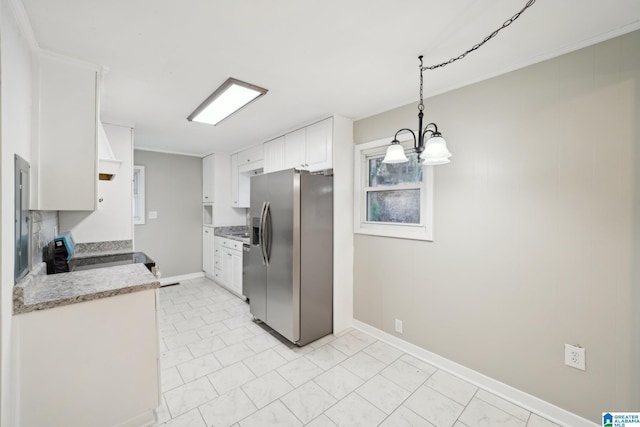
(422, 231)
(138, 195)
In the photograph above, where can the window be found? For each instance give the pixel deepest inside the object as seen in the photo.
(394, 200)
(138, 195)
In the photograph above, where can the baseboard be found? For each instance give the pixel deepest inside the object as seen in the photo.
(174, 279)
(520, 398)
(142, 420)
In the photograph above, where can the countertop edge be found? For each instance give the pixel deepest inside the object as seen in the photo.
(37, 280)
(227, 233)
(22, 309)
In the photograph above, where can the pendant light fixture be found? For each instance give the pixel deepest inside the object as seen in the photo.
(435, 151)
(429, 143)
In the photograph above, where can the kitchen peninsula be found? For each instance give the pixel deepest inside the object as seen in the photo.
(88, 347)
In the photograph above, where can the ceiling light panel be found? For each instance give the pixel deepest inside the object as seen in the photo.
(230, 97)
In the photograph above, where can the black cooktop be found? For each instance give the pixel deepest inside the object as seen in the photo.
(102, 261)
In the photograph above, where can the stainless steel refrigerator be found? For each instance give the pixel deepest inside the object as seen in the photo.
(289, 276)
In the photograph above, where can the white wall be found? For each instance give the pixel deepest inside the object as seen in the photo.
(15, 136)
(535, 231)
(113, 218)
(342, 223)
(223, 213)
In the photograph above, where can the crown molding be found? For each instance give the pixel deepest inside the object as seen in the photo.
(177, 153)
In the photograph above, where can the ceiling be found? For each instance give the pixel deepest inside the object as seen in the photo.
(316, 57)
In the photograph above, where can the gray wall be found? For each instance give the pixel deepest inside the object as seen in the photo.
(536, 231)
(173, 186)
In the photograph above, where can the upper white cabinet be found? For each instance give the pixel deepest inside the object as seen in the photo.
(65, 134)
(309, 148)
(234, 181)
(319, 146)
(244, 164)
(274, 155)
(207, 178)
(250, 155)
(294, 149)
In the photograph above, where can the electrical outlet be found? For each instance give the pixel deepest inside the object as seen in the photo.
(574, 356)
(153, 214)
(399, 326)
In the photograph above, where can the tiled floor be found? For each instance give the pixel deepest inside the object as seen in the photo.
(219, 368)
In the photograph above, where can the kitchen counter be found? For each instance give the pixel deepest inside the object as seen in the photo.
(238, 233)
(39, 291)
(94, 249)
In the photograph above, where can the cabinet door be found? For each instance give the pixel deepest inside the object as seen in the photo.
(274, 155)
(227, 266)
(234, 181)
(250, 155)
(67, 117)
(207, 179)
(207, 252)
(236, 262)
(294, 149)
(319, 145)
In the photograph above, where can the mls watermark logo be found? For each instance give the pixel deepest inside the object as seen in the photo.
(620, 419)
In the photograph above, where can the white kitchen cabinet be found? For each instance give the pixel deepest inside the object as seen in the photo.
(250, 155)
(217, 259)
(294, 149)
(95, 363)
(65, 174)
(274, 155)
(208, 252)
(244, 164)
(309, 148)
(227, 266)
(230, 272)
(207, 178)
(235, 202)
(319, 144)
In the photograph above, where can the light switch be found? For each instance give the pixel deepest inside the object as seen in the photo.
(153, 214)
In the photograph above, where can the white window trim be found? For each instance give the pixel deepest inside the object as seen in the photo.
(140, 200)
(422, 231)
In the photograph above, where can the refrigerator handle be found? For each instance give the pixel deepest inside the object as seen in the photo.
(267, 223)
(261, 234)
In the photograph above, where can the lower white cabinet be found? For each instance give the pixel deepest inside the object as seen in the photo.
(228, 265)
(208, 251)
(95, 363)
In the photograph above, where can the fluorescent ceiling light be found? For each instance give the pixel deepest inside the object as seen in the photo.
(230, 97)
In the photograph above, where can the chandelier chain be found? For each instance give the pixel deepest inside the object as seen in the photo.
(476, 46)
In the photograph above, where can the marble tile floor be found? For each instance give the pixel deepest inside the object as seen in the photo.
(219, 368)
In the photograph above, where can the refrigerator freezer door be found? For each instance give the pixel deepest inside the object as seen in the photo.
(283, 273)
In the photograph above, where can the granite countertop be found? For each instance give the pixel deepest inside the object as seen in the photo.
(96, 249)
(236, 232)
(39, 291)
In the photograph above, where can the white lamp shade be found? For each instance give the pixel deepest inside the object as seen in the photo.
(434, 162)
(395, 154)
(435, 152)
